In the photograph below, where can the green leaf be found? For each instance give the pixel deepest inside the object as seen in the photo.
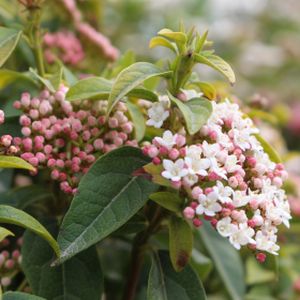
(179, 38)
(11, 215)
(166, 284)
(180, 242)
(109, 195)
(161, 41)
(79, 278)
(14, 162)
(201, 264)
(69, 76)
(56, 78)
(137, 119)
(226, 260)
(263, 115)
(200, 41)
(4, 233)
(8, 40)
(216, 63)
(46, 82)
(7, 77)
(206, 88)
(195, 112)
(20, 296)
(130, 78)
(273, 155)
(143, 93)
(168, 200)
(92, 87)
(155, 171)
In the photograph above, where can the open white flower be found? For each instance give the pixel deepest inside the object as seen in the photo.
(168, 140)
(157, 114)
(241, 236)
(174, 170)
(224, 192)
(193, 152)
(197, 166)
(225, 227)
(208, 204)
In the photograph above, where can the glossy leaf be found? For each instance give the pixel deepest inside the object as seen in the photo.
(130, 78)
(68, 75)
(4, 233)
(11, 215)
(79, 278)
(8, 40)
(137, 119)
(162, 42)
(195, 112)
(273, 155)
(143, 93)
(92, 87)
(20, 296)
(14, 162)
(216, 63)
(226, 260)
(168, 200)
(180, 242)
(166, 284)
(109, 195)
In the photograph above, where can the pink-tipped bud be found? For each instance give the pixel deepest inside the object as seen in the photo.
(25, 121)
(233, 182)
(152, 151)
(173, 154)
(261, 257)
(197, 223)
(5, 281)
(9, 264)
(277, 181)
(180, 140)
(214, 222)
(176, 184)
(6, 140)
(251, 161)
(189, 213)
(196, 191)
(251, 223)
(156, 161)
(113, 123)
(26, 131)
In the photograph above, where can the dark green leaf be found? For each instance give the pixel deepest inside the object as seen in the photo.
(79, 278)
(195, 112)
(109, 195)
(8, 40)
(180, 242)
(201, 264)
(166, 284)
(226, 260)
(11, 215)
(168, 200)
(137, 119)
(130, 78)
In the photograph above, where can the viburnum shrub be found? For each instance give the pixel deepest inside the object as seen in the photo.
(168, 171)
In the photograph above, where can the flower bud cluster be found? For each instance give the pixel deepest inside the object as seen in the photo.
(63, 45)
(67, 138)
(10, 261)
(227, 178)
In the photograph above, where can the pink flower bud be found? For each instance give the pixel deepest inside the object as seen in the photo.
(25, 121)
(17, 105)
(156, 160)
(127, 127)
(98, 144)
(34, 114)
(26, 131)
(233, 182)
(196, 192)
(55, 174)
(180, 140)
(189, 213)
(25, 99)
(9, 264)
(5, 281)
(257, 182)
(152, 151)
(277, 181)
(41, 157)
(173, 154)
(113, 123)
(6, 140)
(261, 257)
(197, 223)
(176, 184)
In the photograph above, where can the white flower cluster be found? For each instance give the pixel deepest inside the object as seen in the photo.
(228, 178)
